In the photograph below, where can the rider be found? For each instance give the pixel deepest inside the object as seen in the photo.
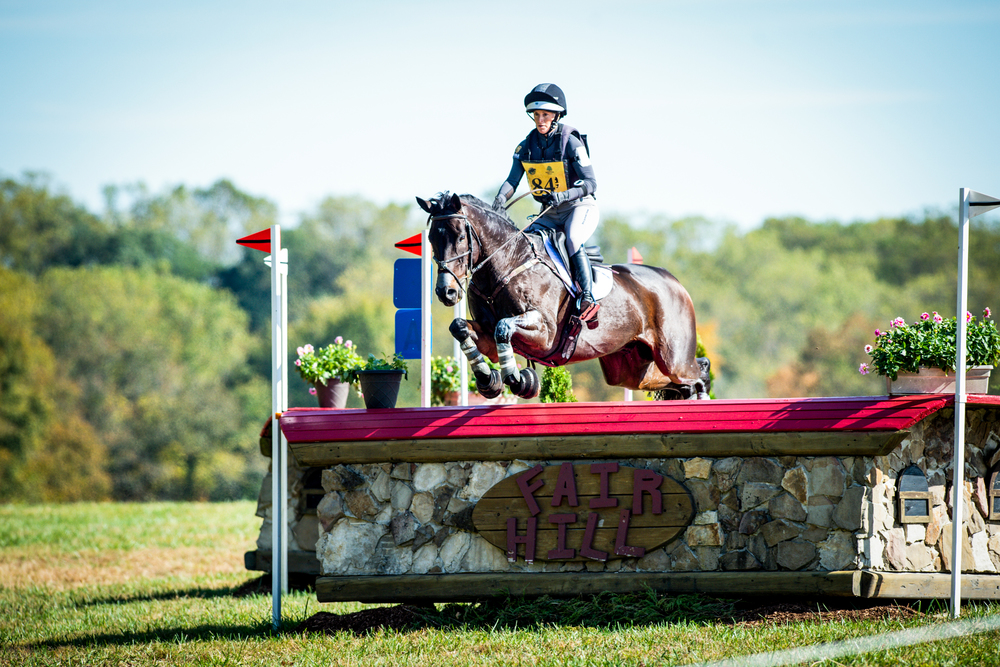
(562, 180)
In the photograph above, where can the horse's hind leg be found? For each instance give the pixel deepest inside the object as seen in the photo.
(474, 343)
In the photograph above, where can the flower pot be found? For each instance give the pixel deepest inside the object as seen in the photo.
(380, 388)
(333, 394)
(475, 398)
(936, 381)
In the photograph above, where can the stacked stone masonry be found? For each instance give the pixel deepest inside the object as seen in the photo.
(790, 513)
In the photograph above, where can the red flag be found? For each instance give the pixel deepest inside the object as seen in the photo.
(258, 240)
(634, 257)
(411, 244)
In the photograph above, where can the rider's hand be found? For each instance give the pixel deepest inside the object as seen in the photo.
(553, 199)
(500, 203)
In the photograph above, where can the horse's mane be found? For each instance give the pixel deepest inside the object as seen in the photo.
(476, 202)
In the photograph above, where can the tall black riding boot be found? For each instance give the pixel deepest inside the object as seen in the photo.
(586, 306)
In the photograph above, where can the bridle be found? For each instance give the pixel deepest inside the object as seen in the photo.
(466, 281)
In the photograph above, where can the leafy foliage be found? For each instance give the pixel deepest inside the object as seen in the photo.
(336, 361)
(557, 385)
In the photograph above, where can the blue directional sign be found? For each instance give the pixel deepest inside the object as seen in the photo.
(406, 283)
(406, 297)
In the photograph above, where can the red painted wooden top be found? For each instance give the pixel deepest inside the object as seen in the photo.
(870, 413)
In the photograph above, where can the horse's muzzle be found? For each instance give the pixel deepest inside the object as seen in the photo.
(448, 291)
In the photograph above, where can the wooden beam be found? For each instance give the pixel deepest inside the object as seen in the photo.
(674, 445)
(469, 587)
(927, 585)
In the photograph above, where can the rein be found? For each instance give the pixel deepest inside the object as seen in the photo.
(467, 280)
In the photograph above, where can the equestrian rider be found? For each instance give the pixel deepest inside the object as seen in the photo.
(554, 155)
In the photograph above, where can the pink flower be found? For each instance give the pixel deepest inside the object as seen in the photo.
(877, 333)
(925, 316)
(312, 390)
(308, 348)
(968, 316)
(868, 349)
(898, 322)
(348, 344)
(937, 318)
(298, 362)
(338, 340)
(986, 311)
(300, 350)
(449, 369)
(863, 369)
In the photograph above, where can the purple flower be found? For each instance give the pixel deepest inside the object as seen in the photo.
(868, 349)
(877, 333)
(925, 316)
(312, 390)
(338, 340)
(937, 318)
(986, 311)
(863, 369)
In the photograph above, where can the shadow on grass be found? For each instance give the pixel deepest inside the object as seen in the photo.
(166, 635)
(259, 586)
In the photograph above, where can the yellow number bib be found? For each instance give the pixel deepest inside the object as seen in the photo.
(548, 175)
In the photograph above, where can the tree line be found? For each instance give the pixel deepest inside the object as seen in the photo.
(135, 342)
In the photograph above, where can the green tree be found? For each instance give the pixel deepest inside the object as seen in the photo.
(161, 363)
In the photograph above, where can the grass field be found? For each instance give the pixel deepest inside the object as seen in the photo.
(107, 584)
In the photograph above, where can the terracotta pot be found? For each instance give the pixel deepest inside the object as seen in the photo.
(936, 381)
(380, 388)
(333, 394)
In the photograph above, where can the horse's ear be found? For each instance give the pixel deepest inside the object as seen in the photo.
(425, 205)
(455, 203)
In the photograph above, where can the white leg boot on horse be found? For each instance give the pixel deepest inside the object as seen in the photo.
(525, 383)
(586, 306)
(489, 383)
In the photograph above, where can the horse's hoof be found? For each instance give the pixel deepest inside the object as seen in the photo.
(492, 387)
(530, 386)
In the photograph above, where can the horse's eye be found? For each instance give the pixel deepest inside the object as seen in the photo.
(461, 237)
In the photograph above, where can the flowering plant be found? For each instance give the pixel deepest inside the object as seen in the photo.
(930, 342)
(336, 361)
(446, 378)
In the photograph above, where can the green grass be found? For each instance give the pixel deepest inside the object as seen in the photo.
(106, 584)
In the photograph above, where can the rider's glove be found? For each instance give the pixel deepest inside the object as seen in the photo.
(553, 199)
(500, 203)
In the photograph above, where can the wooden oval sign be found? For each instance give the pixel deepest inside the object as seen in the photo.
(599, 511)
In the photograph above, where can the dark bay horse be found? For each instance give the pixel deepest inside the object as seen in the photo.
(645, 338)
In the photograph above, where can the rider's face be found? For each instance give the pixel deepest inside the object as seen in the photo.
(543, 120)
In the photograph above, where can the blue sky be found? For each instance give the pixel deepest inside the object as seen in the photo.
(734, 110)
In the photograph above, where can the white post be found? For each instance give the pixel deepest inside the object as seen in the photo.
(463, 363)
(425, 320)
(279, 400)
(958, 464)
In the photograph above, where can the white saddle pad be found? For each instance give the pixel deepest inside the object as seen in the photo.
(604, 279)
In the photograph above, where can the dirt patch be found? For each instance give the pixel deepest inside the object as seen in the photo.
(826, 611)
(362, 622)
(28, 567)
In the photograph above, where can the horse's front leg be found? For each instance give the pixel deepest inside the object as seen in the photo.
(523, 383)
(475, 344)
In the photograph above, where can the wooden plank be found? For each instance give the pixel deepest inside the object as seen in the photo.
(829, 414)
(302, 562)
(709, 445)
(477, 586)
(927, 585)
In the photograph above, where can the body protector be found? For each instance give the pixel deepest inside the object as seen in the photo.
(557, 162)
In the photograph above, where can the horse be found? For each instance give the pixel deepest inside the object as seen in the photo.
(645, 337)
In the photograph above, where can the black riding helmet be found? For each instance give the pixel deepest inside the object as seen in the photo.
(547, 96)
